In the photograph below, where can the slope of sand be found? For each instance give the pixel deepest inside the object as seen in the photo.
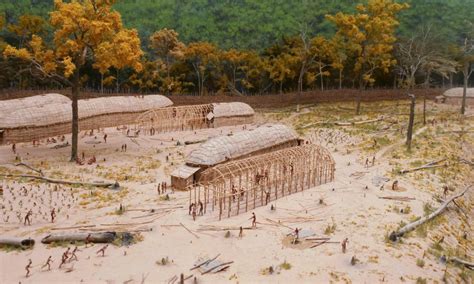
(354, 212)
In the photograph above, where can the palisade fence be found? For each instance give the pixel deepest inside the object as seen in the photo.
(254, 100)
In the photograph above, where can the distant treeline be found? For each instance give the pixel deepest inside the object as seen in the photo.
(255, 46)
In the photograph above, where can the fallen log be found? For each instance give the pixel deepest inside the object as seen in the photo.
(190, 142)
(191, 232)
(469, 265)
(318, 244)
(399, 198)
(214, 267)
(17, 242)
(59, 181)
(358, 122)
(73, 227)
(30, 167)
(204, 262)
(102, 237)
(430, 165)
(410, 227)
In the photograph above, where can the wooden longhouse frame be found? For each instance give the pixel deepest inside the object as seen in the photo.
(178, 118)
(192, 117)
(242, 185)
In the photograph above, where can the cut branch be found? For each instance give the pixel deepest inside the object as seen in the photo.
(410, 227)
(59, 181)
(30, 167)
(430, 165)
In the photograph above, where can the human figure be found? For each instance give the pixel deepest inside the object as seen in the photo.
(102, 250)
(191, 208)
(367, 162)
(194, 213)
(445, 190)
(14, 148)
(53, 215)
(27, 217)
(344, 245)
(254, 220)
(64, 257)
(395, 185)
(88, 239)
(73, 254)
(48, 263)
(241, 232)
(297, 234)
(234, 192)
(373, 161)
(27, 268)
(201, 208)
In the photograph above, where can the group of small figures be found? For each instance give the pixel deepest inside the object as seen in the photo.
(66, 257)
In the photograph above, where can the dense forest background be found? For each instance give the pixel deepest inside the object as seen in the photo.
(258, 26)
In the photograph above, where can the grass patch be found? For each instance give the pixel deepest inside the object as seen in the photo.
(420, 263)
(285, 265)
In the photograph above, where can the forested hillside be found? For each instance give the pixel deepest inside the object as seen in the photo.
(244, 46)
(256, 24)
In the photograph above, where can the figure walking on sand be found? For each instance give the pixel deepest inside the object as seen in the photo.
(254, 220)
(27, 268)
(48, 263)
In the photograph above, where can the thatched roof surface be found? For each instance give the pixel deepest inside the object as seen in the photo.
(457, 92)
(52, 109)
(184, 171)
(232, 109)
(222, 148)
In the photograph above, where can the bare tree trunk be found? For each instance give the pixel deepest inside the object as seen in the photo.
(321, 76)
(75, 114)
(117, 82)
(340, 79)
(465, 72)
(424, 110)
(411, 121)
(101, 83)
(300, 85)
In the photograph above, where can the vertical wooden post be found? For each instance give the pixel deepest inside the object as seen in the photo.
(411, 121)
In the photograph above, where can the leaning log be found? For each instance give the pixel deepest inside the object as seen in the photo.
(16, 242)
(97, 237)
(430, 165)
(59, 181)
(30, 167)
(410, 227)
(469, 265)
(358, 122)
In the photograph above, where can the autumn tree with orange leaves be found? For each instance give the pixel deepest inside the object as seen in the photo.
(85, 31)
(370, 37)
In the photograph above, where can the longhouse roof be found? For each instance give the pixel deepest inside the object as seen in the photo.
(219, 149)
(232, 109)
(51, 109)
(457, 92)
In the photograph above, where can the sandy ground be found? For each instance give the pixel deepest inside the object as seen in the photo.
(354, 211)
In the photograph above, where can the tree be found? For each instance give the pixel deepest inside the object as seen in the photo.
(167, 48)
(413, 54)
(370, 35)
(281, 68)
(322, 52)
(84, 31)
(339, 56)
(202, 56)
(465, 58)
(27, 26)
